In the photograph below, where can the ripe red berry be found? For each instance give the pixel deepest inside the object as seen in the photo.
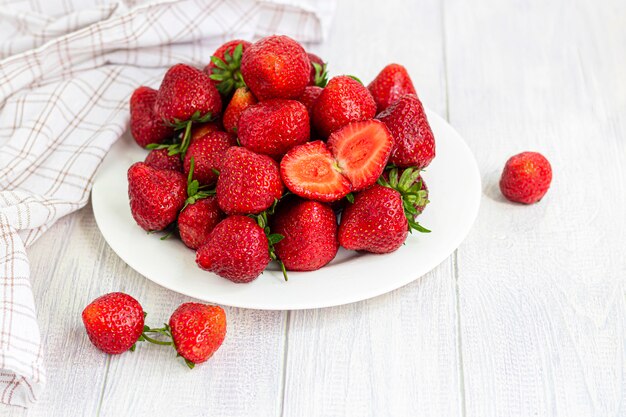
(198, 330)
(197, 220)
(161, 159)
(526, 177)
(272, 127)
(342, 101)
(389, 85)
(114, 322)
(207, 152)
(276, 67)
(145, 126)
(237, 249)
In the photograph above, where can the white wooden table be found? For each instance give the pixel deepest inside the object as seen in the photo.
(527, 318)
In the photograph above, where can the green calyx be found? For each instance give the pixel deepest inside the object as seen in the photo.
(180, 145)
(195, 191)
(410, 188)
(161, 336)
(228, 71)
(321, 74)
(262, 220)
(355, 78)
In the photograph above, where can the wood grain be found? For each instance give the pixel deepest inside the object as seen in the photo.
(528, 318)
(394, 355)
(542, 302)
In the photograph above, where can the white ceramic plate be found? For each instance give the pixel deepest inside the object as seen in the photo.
(454, 185)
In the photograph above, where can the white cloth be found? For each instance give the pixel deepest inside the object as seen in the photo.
(67, 70)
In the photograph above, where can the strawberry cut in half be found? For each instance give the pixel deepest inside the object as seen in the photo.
(353, 160)
(310, 171)
(361, 150)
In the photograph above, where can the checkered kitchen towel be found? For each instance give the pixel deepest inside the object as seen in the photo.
(67, 70)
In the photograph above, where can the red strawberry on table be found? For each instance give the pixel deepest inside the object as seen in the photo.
(237, 249)
(208, 152)
(241, 100)
(526, 177)
(414, 143)
(145, 126)
(114, 322)
(248, 183)
(187, 94)
(161, 159)
(276, 67)
(319, 75)
(342, 101)
(353, 159)
(224, 68)
(197, 220)
(389, 85)
(309, 231)
(156, 196)
(272, 127)
(198, 330)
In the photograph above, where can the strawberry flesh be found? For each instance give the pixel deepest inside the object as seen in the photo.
(311, 171)
(361, 150)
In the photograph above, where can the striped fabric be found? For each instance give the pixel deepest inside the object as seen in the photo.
(67, 70)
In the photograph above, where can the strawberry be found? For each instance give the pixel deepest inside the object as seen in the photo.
(208, 152)
(161, 159)
(352, 160)
(114, 322)
(526, 177)
(200, 130)
(361, 150)
(418, 186)
(276, 67)
(342, 101)
(310, 171)
(274, 126)
(224, 67)
(248, 182)
(145, 126)
(309, 97)
(319, 74)
(375, 222)
(414, 141)
(198, 331)
(237, 249)
(197, 220)
(156, 196)
(187, 94)
(310, 234)
(242, 99)
(389, 85)
(381, 216)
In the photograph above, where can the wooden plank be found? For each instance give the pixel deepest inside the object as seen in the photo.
(71, 265)
(541, 287)
(68, 269)
(394, 355)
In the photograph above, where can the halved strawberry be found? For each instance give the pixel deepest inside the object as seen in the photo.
(361, 150)
(310, 171)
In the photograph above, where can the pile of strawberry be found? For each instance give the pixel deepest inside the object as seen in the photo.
(254, 158)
